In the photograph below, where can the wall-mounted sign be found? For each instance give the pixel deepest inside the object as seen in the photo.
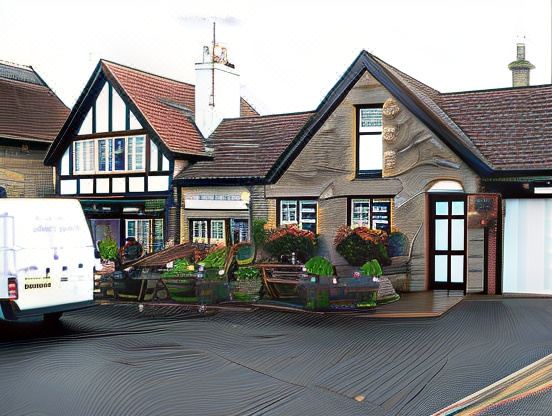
(482, 210)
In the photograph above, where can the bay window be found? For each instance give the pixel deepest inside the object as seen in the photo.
(374, 213)
(369, 140)
(300, 212)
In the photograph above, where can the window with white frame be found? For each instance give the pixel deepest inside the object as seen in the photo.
(84, 151)
(199, 231)
(109, 155)
(369, 140)
(217, 231)
(374, 213)
(300, 212)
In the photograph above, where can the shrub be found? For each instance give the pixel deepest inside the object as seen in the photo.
(247, 273)
(180, 266)
(291, 239)
(397, 244)
(371, 268)
(259, 232)
(361, 244)
(215, 259)
(319, 266)
(108, 249)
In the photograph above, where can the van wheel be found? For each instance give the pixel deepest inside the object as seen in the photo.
(52, 317)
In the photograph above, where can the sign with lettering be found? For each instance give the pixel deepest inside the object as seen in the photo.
(482, 210)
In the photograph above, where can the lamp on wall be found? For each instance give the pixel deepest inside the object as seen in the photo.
(246, 197)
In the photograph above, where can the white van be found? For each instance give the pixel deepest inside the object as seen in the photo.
(46, 258)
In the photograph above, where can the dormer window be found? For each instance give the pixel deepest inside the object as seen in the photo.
(369, 140)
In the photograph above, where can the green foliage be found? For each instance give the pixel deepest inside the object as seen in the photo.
(397, 245)
(291, 239)
(108, 249)
(180, 267)
(371, 268)
(247, 273)
(320, 266)
(215, 260)
(259, 233)
(358, 251)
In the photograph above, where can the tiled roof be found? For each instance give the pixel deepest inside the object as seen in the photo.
(167, 105)
(512, 127)
(21, 73)
(246, 109)
(29, 110)
(247, 147)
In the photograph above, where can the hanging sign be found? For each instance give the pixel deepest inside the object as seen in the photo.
(482, 210)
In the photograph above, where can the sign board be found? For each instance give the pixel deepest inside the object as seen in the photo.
(482, 210)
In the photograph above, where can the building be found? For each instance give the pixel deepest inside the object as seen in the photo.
(30, 116)
(466, 176)
(128, 135)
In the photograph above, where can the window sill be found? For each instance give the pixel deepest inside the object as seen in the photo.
(368, 174)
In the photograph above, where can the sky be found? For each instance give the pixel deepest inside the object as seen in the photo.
(289, 53)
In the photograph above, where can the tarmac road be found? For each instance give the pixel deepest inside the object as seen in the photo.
(114, 360)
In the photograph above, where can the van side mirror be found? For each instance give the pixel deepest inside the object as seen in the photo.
(97, 254)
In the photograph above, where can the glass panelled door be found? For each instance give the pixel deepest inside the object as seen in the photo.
(447, 241)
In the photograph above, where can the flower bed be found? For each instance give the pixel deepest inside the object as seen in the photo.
(291, 239)
(361, 244)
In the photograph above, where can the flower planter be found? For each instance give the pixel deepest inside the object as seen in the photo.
(211, 292)
(348, 293)
(246, 290)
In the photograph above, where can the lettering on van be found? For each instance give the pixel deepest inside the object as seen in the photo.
(37, 282)
(54, 228)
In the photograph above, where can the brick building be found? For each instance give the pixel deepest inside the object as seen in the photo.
(30, 116)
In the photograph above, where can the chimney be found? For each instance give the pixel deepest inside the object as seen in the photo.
(217, 89)
(520, 68)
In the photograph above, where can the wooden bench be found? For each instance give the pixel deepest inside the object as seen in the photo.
(280, 280)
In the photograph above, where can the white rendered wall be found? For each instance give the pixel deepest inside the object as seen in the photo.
(226, 97)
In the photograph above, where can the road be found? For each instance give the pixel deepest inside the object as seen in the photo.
(115, 360)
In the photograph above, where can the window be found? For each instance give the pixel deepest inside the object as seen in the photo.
(199, 231)
(148, 232)
(300, 212)
(84, 156)
(240, 230)
(217, 231)
(373, 213)
(369, 141)
(113, 154)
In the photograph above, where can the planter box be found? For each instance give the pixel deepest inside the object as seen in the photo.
(211, 292)
(246, 290)
(347, 293)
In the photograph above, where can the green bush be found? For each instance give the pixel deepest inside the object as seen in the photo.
(291, 239)
(358, 251)
(259, 232)
(371, 268)
(247, 273)
(215, 259)
(108, 249)
(319, 266)
(397, 244)
(180, 266)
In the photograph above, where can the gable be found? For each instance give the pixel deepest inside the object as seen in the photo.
(107, 113)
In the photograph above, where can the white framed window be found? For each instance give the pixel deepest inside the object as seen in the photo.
(84, 156)
(113, 154)
(199, 231)
(288, 212)
(374, 213)
(217, 231)
(300, 212)
(369, 141)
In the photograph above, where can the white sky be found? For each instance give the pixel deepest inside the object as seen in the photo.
(289, 53)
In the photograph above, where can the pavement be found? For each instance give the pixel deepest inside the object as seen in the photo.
(171, 360)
